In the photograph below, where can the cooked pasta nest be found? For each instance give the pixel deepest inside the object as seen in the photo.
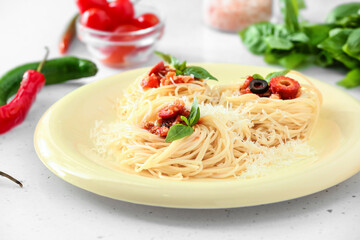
(238, 136)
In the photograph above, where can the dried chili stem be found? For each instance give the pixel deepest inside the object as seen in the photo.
(11, 178)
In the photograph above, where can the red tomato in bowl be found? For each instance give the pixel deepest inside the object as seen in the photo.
(84, 5)
(147, 20)
(117, 55)
(123, 33)
(126, 28)
(121, 11)
(97, 19)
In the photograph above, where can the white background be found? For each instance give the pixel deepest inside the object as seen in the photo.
(50, 208)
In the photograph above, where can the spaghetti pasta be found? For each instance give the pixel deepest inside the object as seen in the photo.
(135, 94)
(233, 135)
(274, 120)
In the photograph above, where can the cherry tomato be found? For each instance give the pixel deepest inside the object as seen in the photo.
(96, 18)
(117, 55)
(286, 87)
(157, 68)
(121, 11)
(126, 28)
(147, 20)
(84, 5)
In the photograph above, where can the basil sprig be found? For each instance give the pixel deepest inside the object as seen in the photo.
(182, 69)
(178, 131)
(297, 43)
(271, 75)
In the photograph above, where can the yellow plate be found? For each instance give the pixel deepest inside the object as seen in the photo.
(62, 142)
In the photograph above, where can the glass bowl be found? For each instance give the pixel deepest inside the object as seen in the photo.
(126, 49)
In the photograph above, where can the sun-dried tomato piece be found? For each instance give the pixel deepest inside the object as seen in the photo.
(167, 117)
(171, 110)
(245, 86)
(171, 78)
(151, 81)
(157, 68)
(148, 124)
(162, 131)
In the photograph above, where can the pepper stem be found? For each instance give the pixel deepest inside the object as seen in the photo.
(11, 178)
(44, 60)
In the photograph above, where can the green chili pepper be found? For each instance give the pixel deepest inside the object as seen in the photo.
(57, 70)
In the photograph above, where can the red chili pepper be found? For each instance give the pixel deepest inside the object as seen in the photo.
(14, 113)
(68, 35)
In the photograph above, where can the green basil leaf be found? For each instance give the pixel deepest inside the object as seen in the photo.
(164, 56)
(276, 74)
(342, 11)
(196, 118)
(185, 120)
(346, 60)
(280, 31)
(182, 66)
(194, 115)
(293, 60)
(337, 39)
(351, 21)
(335, 31)
(334, 46)
(272, 57)
(290, 11)
(179, 67)
(178, 72)
(278, 43)
(178, 131)
(352, 46)
(324, 59)
(198, 72)
(317, 33)
(299, 37)
(174, 62)
(258, 76)
(253, 36)
(352, 79)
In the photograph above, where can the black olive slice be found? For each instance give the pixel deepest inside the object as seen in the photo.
(258, 86)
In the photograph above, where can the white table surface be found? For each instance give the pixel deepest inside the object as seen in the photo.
(49, 208)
